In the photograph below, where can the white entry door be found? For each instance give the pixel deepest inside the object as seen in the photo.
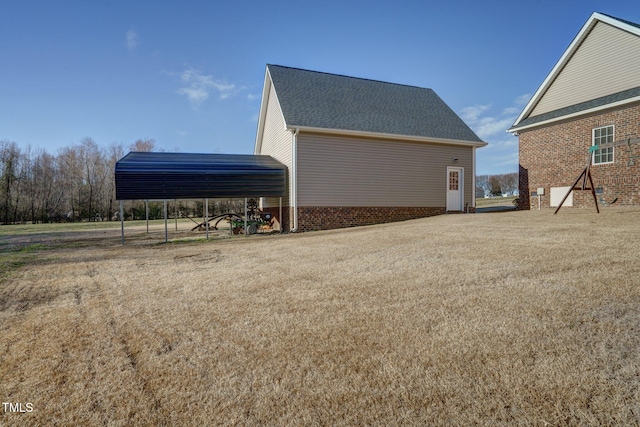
(455, 187)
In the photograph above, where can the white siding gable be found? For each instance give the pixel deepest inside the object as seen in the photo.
(607, 62)
(274, 139)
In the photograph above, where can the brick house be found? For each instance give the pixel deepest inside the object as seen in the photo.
(362, 152)
(590, 97)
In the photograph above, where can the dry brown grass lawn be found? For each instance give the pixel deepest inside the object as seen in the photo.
(519, 318)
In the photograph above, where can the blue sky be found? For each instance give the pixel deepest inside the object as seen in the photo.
(189, 74)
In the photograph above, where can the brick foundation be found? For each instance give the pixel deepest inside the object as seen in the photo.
(555, 155)
(327, 218)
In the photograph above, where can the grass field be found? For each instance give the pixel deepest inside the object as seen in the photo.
(495, 201)
(516, 318)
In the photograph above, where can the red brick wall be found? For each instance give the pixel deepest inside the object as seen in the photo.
(312, 218)
(327, 218)
(555, 155)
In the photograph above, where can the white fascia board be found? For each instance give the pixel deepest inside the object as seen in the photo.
(263, 113)
(568, 53)
(619, 24)
(387, 136)
(516, 129)
(275, 92)
(263, 109)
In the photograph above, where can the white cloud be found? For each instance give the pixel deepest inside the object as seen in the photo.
(489, 126)
(523, 99)
(471, 114)
(486, 126)
(501, 155)
(132, 40)
(195, 95)
(511, 110)
(198, 87)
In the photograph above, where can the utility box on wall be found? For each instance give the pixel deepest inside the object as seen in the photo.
(540, 191)
(558, 193)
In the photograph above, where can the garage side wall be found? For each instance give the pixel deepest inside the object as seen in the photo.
(350, 181)
(345, 171)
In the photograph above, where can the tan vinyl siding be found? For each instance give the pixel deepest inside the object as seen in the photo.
(349, 171)
(276, 142)
(607, 62)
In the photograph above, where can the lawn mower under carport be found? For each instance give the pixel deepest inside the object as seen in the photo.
(256, 221)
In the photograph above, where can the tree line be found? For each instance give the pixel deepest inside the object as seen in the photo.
(497, 185)
(78, 184)
(75, 184)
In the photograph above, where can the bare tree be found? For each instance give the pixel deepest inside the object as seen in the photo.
(9, 164)
(147, 144)
(497, 185)
(77, 183)
(508, 183)
(51, 188)
(114, 153)
(71, 171)
(482, 181)
(494, 184)
(32, 183)
(94, 176)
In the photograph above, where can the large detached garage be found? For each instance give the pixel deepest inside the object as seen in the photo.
(189, 176)
(363, 152)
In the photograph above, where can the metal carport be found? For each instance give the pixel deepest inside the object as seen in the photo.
(163, 176)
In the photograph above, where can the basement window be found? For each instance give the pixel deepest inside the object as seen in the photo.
(603, 135)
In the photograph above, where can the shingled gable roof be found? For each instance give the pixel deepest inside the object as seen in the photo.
(312, 100)
(626, 96)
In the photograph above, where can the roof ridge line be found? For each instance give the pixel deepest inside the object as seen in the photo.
(350, 77)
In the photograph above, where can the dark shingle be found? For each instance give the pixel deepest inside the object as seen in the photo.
(331, 101)
(633, 24)
(576, 108)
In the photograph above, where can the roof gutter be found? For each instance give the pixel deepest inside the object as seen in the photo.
(515, 129)
(388, 136)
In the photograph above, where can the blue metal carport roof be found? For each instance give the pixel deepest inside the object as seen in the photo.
(159, 176)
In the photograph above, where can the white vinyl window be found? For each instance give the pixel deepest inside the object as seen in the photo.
(603, 135)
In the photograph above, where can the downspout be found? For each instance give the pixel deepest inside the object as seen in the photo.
(294, 178)
(473, 190)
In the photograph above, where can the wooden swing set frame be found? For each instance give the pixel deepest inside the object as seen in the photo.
(586, 172)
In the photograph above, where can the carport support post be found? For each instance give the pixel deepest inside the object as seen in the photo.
(122, 221)
(206, 216)
(245, 217)
(146, 208)
(280, 217)
(230, 222)
(166, 232)
(175, 211)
